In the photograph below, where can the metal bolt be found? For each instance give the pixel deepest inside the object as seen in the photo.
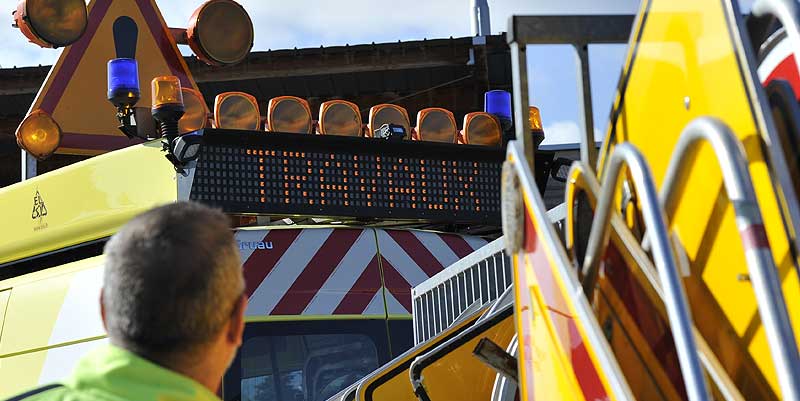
(687, 102)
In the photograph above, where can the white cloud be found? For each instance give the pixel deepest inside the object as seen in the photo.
(566, 132)
(561, 132)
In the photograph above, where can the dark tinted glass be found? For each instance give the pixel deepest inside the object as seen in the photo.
(304, 367)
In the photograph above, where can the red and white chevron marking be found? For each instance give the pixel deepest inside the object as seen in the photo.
(779, 63)
(324, 271)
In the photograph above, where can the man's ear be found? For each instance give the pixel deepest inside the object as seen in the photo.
(103, 311)
(236, 327)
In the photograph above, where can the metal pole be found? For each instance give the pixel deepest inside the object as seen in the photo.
(586, 116)
(674, 296)
(522, 126)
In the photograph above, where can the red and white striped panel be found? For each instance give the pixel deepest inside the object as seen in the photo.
(410, 257)
(324, 271)
(779, 63)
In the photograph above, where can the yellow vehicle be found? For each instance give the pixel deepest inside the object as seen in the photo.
(337, 296)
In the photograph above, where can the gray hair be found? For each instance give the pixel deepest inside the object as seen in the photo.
(172, 278)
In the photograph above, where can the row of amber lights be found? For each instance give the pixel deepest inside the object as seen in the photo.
(40, 135)
(290, 114)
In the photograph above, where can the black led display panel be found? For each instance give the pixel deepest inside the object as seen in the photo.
(363, 178)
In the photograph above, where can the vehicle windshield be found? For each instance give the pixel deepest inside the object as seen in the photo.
(304, 367)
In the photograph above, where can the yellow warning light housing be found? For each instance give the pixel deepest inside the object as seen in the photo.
(388, 114)
(289, 114)
(535, 119)
(236, 110)
(39, 134)
(220, 32)
(166, 90)
(195, 114)
(481, 128)
(340, 117)
(51, 23)
(435, 124)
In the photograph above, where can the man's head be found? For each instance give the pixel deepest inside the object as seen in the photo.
(173, 285)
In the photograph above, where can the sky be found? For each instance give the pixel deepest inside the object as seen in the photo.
(311, 23)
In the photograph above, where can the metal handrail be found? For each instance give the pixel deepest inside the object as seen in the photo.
(761, 265)
(582, 177)
(678, 313)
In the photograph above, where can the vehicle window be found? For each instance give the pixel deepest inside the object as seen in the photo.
(304, 367)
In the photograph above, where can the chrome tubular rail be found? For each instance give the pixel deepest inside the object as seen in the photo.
(674, 295)
(582, 177)
(761, 265)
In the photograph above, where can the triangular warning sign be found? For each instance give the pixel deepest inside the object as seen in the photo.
(75, 91)
(39, 209)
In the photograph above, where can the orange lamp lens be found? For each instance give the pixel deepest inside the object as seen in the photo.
(220, 32)
(338, 117)
(482, 129)
(195, 115)
(166, 91)
(388, 114)
(52, 23)
(236, 110)
(436, 125)
(534, 118)
(39, 135)
(289, 115)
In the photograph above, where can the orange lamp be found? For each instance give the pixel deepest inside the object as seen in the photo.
(388, 114)
(435, 124)
(166, 91)
(220, 32)
(339, 117)
(289, 114)
(535, 119)
(195, 114)
(481, 128)
(39, 134)
(51, 24)
(236, 110)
